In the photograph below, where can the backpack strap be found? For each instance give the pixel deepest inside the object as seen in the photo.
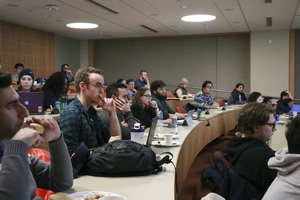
(166, 160)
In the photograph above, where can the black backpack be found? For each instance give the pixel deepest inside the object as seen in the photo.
(124, 158)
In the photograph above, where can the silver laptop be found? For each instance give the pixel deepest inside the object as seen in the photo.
(151, 132)
(33, 101)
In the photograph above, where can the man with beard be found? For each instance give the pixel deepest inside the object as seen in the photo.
(237, 96)
(158, 90)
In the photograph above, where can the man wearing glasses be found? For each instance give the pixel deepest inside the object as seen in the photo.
(205, 96)
(118, 92)
(82, 127)
(250, 154)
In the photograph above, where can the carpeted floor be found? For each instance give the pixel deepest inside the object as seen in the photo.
(193, 188)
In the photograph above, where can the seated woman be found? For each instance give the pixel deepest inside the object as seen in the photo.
(255, 97)
(55, 86)
(143, 109)
(26, 78)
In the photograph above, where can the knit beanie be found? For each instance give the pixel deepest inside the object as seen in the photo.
(26, 72)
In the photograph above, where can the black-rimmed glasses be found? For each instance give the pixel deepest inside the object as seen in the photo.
(272, 125)
(148, 96)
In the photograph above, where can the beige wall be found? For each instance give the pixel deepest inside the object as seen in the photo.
(269, 62)
(222, 59)
(84, 53)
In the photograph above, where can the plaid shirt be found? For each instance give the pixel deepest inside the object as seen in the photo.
(200, 97)
(80, 125)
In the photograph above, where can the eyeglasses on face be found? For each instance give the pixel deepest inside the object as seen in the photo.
(97, 85)
(272, 125)
(148, 96)
(209, 87)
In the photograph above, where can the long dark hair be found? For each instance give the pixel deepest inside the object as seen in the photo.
(56, 83)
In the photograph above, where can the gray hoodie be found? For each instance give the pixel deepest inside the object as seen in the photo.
(287, 183)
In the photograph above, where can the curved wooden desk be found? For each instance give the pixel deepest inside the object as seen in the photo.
(162, 186)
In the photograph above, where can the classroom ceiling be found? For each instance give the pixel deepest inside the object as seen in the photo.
(150, 18)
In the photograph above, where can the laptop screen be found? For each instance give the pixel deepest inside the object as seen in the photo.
(295, 108)
(33, 101)
(151, 132)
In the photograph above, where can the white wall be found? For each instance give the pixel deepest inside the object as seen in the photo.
(269, 62)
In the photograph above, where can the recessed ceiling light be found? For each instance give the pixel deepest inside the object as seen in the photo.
(51, 7)
(82, 25)
(185, 6)
(198, 18)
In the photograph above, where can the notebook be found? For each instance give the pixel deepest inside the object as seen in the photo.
(151, 132)
(33, 101)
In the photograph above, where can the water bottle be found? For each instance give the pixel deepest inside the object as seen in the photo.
(226, 105)
(160, 119)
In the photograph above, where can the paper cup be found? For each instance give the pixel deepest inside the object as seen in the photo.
(168, 138)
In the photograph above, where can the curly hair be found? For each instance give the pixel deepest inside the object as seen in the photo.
(56, 83)
(82, 75)
(254, 114)
(157, 84)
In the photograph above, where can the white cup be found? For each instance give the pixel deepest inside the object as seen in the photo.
(295, 114)
(168, 138)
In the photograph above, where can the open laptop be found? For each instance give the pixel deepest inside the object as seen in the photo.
(188, 120)
(33, 101)
(151, 132)
(295, 108)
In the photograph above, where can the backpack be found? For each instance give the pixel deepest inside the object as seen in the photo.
(124, 158)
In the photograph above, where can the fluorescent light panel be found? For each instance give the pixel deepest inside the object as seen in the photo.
(82, 25)
(198, 18)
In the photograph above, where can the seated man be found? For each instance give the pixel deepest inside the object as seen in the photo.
(283, 104)
(142, 81)
(118, 92)
(66, 70)
(131, 91)
(180, 91)
(237, 96)
(158, 90)
(286, 161)
(21, 173)
(205, 96)
(249, 154)
(79, 122)
(18, 68)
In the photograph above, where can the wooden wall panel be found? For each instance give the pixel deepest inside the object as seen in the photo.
(34, 48)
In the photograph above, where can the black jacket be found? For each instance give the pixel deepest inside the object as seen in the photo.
(249, 157)
(234, 98)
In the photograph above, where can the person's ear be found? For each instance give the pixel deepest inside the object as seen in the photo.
(82, 85)
(256, 129)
